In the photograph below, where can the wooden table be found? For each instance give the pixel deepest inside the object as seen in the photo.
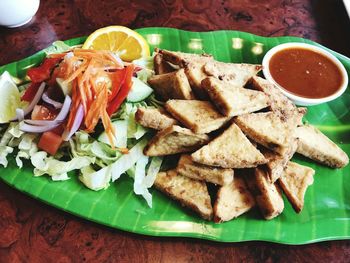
(31, 231)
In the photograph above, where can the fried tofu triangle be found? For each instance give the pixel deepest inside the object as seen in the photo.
(189, 192)
(174, 140)
(172, 85)
(233, 100)
(294, 181)
(279, 102)
(193, 65)
(230, 150)
(276, 162)
(156, 119)
(195, 74)
(267, 195)
(233, 200)
(318, 147)
(161, 66)
(199, 116)
(270, 129)
(215, 175)
(183, 59)
(233, 73)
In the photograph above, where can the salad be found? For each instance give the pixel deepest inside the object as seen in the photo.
(76, 112)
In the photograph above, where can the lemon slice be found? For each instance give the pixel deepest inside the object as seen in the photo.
(10, 98)
(129, 44)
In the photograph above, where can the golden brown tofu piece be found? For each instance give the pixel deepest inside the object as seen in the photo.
(231, 149)
(270, 129)
(190, 193)
(233, 100)
(276, 162)
(174, 140)
(233, 200)
(294, 182)
(161, 66)
(156, 119)
(267, 195)
(195, 75)
(318, 147)
(211, 174)
(199, 116)
(233, 73)
(183, 59)
(172, 85)
(278, 101)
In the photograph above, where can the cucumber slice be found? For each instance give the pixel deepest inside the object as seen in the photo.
(121, 128)
(65, 87)
(139, 91)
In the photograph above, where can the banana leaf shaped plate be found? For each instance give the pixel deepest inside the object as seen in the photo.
(326, 214)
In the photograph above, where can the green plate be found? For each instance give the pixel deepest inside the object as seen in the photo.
(326, 214)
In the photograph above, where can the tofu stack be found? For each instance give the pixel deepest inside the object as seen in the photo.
(234, 130)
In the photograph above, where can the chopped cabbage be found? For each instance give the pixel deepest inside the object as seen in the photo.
(53, 167)
(125, 162)
(96, 180)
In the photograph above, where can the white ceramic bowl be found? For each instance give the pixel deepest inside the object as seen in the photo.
(302, 101)
(15, 13)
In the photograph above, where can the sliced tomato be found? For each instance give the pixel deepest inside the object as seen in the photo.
(50, 142)
(58, 130)
(114, 105)
(41, 112)
(43, 72)
(118, 78)
(30, 92)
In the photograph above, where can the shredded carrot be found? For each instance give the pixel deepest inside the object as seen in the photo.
(124, 150)
(59, 55)
(91, 72)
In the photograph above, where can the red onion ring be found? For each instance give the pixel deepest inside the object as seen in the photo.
(34, 102)
(55, 104)
(19, 114)
(42, 122)
(60, 117)
(65, 109)
(36, 129)
(76, 124)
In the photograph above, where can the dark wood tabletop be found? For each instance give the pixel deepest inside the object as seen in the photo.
(31, 231)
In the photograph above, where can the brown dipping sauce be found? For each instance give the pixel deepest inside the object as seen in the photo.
(305, 73)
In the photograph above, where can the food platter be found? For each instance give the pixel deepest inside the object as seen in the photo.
(326, 215)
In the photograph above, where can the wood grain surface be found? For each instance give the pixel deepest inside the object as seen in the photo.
(31, 231)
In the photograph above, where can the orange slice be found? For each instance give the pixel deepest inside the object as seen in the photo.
(127, 43)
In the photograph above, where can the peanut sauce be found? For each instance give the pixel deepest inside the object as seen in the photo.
(305, 73)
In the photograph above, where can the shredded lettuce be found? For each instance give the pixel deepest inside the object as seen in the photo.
(96, 180)
(13, 138)
(152, 171)
(4, 151)
(83, 145)
(125, 162)
(140, 175)
(142, 180)
(26, 148)
(56, 168)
